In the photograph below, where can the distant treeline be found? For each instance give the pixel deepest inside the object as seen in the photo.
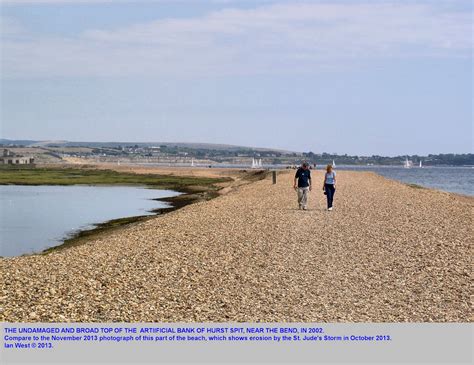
(234, 154)
(450, 159)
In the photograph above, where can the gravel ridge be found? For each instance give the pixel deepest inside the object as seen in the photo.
(387, 253)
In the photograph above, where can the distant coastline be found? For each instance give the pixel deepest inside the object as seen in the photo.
(206, 154)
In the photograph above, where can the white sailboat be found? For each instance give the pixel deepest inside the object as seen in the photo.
(407, 163)
(333, 164)
(192, 162)
(256, 163)
(421, 165)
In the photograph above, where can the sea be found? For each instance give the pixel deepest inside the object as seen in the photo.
(452, 179)
(458, 180)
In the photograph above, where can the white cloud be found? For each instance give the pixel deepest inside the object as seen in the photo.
(272, 38)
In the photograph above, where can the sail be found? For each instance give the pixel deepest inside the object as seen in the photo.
(407, 163)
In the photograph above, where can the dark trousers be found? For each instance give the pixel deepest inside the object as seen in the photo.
(330, 191)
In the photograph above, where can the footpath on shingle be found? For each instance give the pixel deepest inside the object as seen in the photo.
(388, 252)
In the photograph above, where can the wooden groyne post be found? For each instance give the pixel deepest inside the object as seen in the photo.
(274, 176)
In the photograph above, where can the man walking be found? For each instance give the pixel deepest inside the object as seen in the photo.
(302, 185)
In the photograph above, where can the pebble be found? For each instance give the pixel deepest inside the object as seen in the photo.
(386, 253)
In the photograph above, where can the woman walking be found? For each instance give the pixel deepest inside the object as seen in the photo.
(329, 185)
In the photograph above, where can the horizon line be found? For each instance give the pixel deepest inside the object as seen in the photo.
(276, 149)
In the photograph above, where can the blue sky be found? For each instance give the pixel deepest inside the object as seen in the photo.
(371, 77)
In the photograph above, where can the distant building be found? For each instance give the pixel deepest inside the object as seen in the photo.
(10, 158)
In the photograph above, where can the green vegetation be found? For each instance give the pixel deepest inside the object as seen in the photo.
(74, 176)
(416, 186)
(212, 153)
(101, 229)
(197, 189)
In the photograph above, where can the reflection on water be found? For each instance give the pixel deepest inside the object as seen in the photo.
(33, 218)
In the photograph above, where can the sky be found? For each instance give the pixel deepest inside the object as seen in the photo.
(357, 77)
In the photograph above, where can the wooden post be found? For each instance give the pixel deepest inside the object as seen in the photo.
(274, 177)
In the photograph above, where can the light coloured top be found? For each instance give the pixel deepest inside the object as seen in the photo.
(330, 178)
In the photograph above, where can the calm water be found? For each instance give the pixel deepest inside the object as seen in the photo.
(453, 179)
(33, 218)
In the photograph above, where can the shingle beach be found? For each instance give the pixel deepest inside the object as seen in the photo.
(387, 253)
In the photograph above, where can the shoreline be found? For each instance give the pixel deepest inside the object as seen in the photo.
(402, 256)
(188, 195)
(103, 229)
(418, 186)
